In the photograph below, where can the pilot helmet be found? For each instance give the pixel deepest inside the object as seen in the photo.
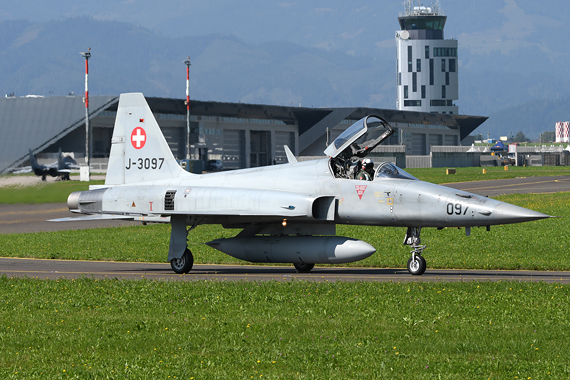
(367, 163)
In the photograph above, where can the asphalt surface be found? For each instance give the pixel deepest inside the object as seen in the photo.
(33, 218)
(57, 269)
(521, 185)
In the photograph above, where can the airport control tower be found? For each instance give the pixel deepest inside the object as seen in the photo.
(427, 63)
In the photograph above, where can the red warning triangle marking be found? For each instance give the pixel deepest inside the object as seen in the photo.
(360, 189)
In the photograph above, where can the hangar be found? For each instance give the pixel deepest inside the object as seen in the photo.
(239, 135)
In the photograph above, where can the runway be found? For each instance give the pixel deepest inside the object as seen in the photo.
(523, 185)
(72, 269)
(21, 218)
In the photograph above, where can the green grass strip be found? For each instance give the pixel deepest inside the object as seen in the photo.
(94, 329)
(43, 192)
(439, 176)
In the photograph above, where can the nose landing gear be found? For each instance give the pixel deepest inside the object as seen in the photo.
(416, 264)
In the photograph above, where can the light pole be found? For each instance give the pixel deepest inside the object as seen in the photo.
(187, 62)
(87, 55)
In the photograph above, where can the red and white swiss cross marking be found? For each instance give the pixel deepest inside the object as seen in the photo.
(138, 138)
(360, 189)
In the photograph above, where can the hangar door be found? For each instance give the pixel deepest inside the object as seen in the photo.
(260, 153)
(418, 144)
(435, 140)
(175, 138)
(234, 149)
(451, 140)
(281, 139)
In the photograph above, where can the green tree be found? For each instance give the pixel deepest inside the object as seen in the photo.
(520, 137)
(548, 136)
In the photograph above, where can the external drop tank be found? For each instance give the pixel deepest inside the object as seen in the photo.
(295, 249)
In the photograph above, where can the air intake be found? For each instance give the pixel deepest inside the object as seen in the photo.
(169, 200)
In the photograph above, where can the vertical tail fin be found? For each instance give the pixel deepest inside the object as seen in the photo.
(33, 163)
(139, 152)
(60, 163)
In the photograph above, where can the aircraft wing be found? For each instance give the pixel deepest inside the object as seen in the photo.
(22, 170)
(136, 218)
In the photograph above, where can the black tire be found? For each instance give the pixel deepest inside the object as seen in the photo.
(303, 268)
(418, 267)
(183, 264)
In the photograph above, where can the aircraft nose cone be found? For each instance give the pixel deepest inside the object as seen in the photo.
(507, 213)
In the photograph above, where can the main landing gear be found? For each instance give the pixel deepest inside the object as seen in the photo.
(304, 267)
(416, 264)
(183, 264)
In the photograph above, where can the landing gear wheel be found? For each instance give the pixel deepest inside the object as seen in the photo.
(303, 268)
(417, 265)
(183, 264)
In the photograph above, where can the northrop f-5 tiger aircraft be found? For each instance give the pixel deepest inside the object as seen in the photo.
(288, 212)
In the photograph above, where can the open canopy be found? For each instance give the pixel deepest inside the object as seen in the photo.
(360, 138)
(356, 142)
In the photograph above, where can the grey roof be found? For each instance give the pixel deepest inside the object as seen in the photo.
(312, 122)
(35, 123)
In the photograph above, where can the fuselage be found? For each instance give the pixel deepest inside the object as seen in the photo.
(290, 191)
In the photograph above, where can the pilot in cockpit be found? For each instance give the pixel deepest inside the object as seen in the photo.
(366, 173)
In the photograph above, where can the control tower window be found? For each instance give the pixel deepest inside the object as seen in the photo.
(410, 59)
(423, 91)
(451, 65)
(414, 82)
(443, 94)
(405, 92)
(419, 65)
(427, 52)
(443, 65)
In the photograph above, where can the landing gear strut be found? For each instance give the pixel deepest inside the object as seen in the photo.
(416, 264)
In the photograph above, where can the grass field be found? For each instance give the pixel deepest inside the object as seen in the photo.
(540, 245)
(91, 329)
(439, 176)
(52, 192)
(57, 192)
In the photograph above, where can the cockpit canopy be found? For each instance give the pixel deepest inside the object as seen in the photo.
(356, 142)
(366, 134)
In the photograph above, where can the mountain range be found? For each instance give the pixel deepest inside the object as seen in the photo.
(513, 54)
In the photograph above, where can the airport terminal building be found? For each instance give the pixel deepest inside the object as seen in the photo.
(239, 135)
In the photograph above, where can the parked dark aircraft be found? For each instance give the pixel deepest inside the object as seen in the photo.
(61, 168)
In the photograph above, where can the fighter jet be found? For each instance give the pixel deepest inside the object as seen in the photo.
(61, 168)
(288, 213)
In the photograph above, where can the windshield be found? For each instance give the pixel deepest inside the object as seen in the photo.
(389, 170)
